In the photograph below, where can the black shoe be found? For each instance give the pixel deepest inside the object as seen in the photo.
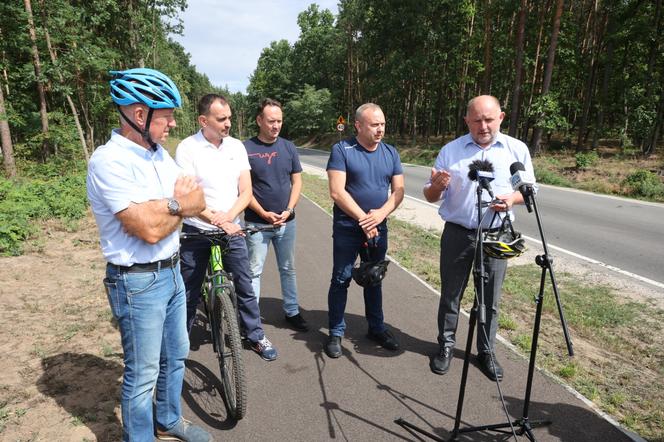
(386, 340)
(440, 364)
(297, 322)
(333, 346)
(492, 370)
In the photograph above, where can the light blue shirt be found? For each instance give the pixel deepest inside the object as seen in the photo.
(122, 172)
(459, 200)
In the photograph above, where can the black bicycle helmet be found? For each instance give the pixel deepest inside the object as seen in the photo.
(504, 243)
(370, 273)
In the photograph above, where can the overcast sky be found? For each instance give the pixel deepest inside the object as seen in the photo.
(226, 37)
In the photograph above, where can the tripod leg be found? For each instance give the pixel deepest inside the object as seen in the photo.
(464, 375)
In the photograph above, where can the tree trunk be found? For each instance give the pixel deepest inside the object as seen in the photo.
(536, 66)
(653, 137)
(606, 76)
(587, 93)
(488, 38)
(548, 70)
(72, 107)
(6, 138)
(518, 70)
(462, 86)
(40, 87)
(650, 139)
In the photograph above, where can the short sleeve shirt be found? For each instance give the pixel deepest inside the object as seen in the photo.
(217, 168)
(368, 174)
(271, 168)
(459, 203)
(120, 173)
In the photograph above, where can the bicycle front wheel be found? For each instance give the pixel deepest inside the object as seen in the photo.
(229, 354)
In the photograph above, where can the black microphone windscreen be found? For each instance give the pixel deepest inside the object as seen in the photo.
(479, 165)
(485, 166)
(516, 166)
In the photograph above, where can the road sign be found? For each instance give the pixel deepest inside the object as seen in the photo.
(341, 127)
(341, 120)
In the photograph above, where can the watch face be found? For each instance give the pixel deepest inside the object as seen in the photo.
(173, 206)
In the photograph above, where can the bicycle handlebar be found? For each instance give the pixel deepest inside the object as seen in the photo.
(221, 234)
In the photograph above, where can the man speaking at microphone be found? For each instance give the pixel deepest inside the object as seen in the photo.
(449, 183)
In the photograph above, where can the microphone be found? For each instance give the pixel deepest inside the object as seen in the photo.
(482, 172)
(523, 182)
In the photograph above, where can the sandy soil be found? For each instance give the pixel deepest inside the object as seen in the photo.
(57, 338)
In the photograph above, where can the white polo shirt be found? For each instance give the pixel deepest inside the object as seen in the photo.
(120, 173)
(218, 169)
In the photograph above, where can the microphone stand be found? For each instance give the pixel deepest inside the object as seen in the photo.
(523, 424)
(478, 310)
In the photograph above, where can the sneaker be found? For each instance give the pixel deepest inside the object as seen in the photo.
(297, 322)
(265, 349)
(385, 339)
(333, 347)
(185, 431)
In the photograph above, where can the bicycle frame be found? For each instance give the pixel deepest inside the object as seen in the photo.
(217, 275)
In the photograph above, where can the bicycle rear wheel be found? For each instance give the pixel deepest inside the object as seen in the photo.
(229, 353)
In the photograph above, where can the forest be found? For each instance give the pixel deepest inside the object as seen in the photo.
(54, 61)
(567, 72)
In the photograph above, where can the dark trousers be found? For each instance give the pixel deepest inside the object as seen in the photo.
(194, 257)
(457, 252)
(347, 242)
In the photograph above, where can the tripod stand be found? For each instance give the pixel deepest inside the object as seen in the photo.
(522, 425)
(478, 310)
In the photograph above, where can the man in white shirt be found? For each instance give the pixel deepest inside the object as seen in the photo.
(139, 197)
(220, 162)
(449, 183)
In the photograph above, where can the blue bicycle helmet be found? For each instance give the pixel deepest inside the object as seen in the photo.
(146, 86)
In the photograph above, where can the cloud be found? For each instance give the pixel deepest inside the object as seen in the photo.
(225, 38)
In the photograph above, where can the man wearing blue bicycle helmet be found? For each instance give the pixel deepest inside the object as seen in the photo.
(139, 197)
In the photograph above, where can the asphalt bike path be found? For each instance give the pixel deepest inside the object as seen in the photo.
(306, 396)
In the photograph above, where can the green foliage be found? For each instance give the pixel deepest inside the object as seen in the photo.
(568, 371)
(116, 35)
(310, 112)
(547, 113)
(644, 183)
(584, 160)
(273, 75)
(58, 196)
(548, 176)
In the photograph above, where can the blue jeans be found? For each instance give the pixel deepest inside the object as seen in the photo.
(283, 240)
(347, 243)
(150, 308)
(195, 254)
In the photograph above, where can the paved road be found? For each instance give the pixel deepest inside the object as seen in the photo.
(305, 396)
(619, 232)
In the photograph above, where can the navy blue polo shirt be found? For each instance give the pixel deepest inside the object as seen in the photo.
(368, 174)
(271, 168)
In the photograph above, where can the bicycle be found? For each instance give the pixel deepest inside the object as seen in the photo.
(220, 304)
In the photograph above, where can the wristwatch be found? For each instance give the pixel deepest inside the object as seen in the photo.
(290, 210)
(173, 206)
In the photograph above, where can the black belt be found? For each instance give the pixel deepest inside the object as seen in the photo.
(484, 229)
(150, 266)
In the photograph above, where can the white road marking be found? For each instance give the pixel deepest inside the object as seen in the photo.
(560, 249)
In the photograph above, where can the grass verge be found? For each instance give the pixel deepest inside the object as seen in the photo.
(619, 344)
